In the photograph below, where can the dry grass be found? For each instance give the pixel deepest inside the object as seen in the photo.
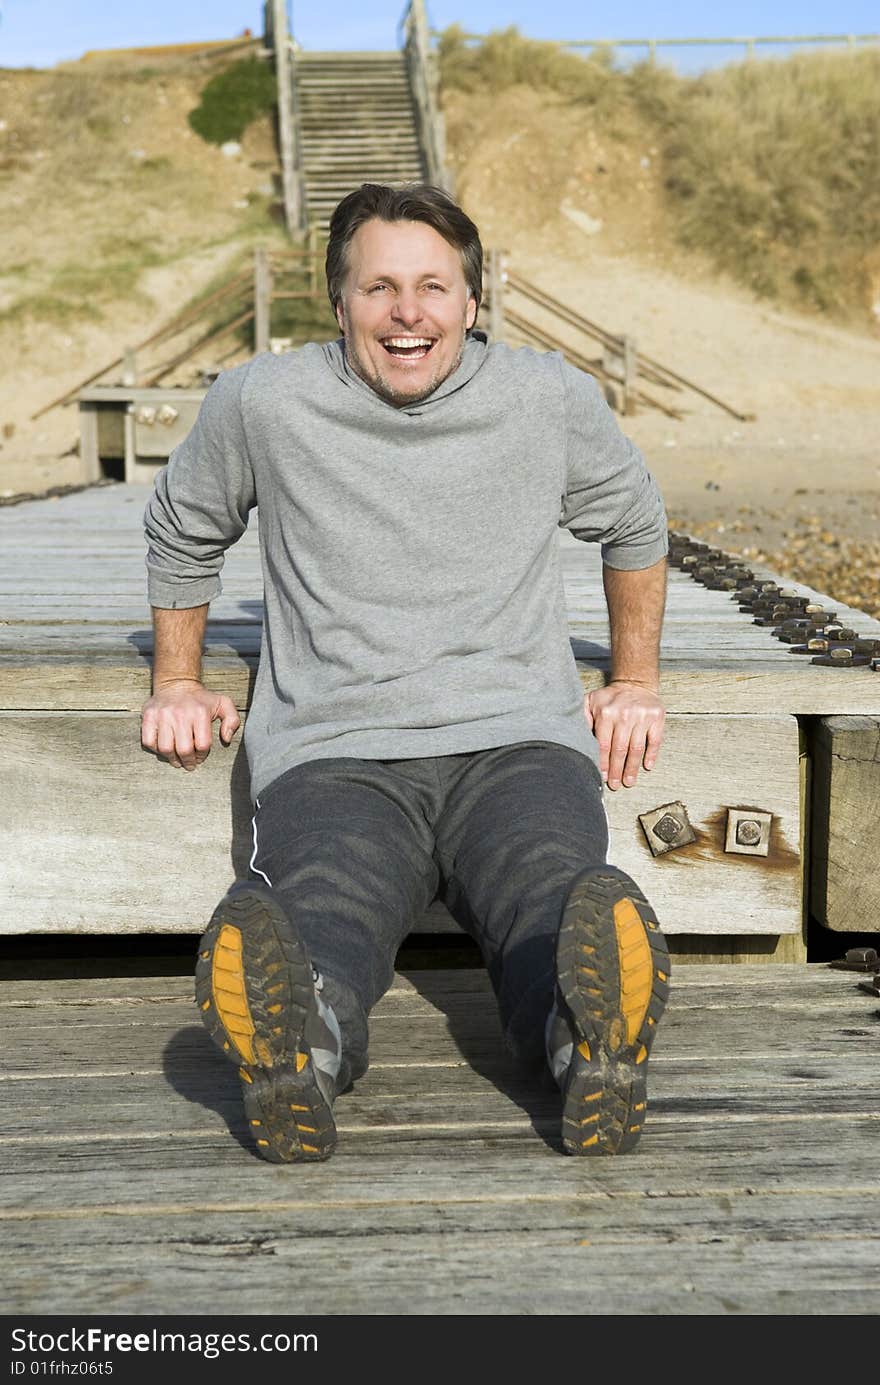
(102, 180)
(770, 169)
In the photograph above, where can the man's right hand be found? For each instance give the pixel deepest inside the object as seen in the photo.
(177, 722)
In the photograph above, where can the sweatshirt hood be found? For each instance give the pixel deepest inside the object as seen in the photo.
(473, 356)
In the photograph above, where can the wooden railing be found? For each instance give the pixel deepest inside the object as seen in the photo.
(415, 37)
(277, 38)
(851, 41)
(621, 369)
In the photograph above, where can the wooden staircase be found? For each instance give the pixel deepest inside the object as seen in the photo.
(356, 123)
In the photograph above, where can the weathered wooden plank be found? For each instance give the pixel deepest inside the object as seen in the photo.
(434, 1000)
(100, 675)
(845, 876)
(678, 1155)
(606, 1220)
(788, 1027)
(400, 1042)
(455, 1096)
(570, 1270)
(112, 851)
(713, 986)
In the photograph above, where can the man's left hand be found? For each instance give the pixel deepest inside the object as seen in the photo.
(627, 720)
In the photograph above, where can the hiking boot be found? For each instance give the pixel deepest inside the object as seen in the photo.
(612, 982)
(260, 1001)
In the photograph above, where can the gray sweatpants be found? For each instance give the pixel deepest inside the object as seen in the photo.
(357, 849)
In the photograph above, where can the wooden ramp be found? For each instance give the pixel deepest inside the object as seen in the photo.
(130, 1184)
(101, 837)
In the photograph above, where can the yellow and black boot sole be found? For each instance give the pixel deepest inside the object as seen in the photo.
(255, 991)
(613, 978)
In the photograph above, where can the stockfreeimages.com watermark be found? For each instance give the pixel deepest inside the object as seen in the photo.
(95, 1341)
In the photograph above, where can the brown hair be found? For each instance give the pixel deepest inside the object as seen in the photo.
(415, 202)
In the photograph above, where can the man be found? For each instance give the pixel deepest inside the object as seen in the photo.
(418, 726)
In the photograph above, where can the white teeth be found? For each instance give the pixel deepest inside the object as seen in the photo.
(407, 341)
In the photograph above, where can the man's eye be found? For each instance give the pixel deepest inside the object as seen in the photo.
(436, 286)
(377, 288)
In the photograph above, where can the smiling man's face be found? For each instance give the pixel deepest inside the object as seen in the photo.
(405, 308)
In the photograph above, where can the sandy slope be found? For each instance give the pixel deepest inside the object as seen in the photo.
(580, 214)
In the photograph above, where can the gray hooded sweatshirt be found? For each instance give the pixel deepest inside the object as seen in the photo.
(413, 592)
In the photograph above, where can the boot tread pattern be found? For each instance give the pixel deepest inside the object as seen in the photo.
(253, 989)
(614, 1012)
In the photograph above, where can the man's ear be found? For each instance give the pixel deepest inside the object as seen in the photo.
(471, 314)
(340, 315)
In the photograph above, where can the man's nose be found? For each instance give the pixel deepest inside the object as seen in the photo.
(407, 309)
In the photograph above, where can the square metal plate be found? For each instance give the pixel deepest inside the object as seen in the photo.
(748, 832)
(666, 828)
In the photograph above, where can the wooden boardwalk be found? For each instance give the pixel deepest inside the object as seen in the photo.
(129, 1183)
(130, 1186)
(94, 827)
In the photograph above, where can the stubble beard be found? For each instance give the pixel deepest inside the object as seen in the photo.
(389, 392)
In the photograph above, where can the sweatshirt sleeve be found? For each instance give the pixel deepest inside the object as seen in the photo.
(201, 501)
(610, 496)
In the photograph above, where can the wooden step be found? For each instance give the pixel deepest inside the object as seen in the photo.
(329, 57)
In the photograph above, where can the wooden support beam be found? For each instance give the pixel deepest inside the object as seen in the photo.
(293, 209)
(262, 299)
(496, 296)
(630, 373)
(845, 875)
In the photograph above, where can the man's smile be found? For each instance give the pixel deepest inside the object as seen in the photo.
(406, 348)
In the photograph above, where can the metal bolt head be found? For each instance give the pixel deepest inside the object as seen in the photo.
(748, 832)
(668, 828)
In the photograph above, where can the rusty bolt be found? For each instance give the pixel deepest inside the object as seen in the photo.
(748, 832)
(791, 631)
(858, 959)
(842, 656)
(668, 828)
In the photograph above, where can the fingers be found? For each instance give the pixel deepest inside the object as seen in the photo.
(149, 727)
(183, 737)
(588, 712)
(654, 741)
(229, 719)
(180, 730)
(629, 736)
(627, 752)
